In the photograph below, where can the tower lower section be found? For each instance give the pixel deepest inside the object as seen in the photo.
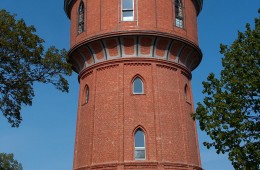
(109, 114)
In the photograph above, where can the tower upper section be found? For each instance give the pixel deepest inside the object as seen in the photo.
(111, 29)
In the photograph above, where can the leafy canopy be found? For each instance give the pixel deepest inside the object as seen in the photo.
(7, 162)
(23, 61)
(230, 113)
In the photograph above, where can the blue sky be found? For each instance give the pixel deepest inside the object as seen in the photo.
(45, 139)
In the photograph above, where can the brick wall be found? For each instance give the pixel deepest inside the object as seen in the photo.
(104, 17)
(106, 124)
(108, 55)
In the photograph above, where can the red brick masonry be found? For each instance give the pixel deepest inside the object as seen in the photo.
(106, 124)
(108, 55)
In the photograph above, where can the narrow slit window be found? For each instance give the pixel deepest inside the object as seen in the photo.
(127, 10)
(187, 95)
(86, 94)
(81, 18)
(179, 13)
(140, 145)
(138, 86)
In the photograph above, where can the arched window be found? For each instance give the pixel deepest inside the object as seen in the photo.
(179, 13)
(139, 145)
(81, 17)
(127, 10)
(86, 94)
(138, 86)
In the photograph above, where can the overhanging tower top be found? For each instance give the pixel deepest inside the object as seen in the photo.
(69, 3)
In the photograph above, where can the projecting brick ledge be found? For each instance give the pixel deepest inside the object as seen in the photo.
(166, 48)
(141, 166)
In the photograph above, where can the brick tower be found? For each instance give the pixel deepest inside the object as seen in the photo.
(134, 60)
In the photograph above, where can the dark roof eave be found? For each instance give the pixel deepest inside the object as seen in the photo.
(200, 5)
(68, 5)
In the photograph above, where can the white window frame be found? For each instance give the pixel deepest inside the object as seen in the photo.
(140, 148)
(133, 84)
(179, 19)
(131, 18)
(179, 22)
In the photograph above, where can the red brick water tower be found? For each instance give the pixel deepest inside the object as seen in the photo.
(134, 59)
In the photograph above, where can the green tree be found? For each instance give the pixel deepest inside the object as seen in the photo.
(24, 61)
(7, 162)
(230, 113)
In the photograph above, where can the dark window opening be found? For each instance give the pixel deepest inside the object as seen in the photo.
(187, 95)
(81, 18)
(179, 13)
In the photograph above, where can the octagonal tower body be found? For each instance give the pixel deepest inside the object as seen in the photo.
(113, 44)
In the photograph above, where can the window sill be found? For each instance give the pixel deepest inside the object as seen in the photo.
(138, 94)
(179, 27)
(140, 160)
(127, 20)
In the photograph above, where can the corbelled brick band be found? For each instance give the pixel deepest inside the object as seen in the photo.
(145, 45)
(109, 54)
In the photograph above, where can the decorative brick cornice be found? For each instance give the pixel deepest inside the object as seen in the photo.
(134, 33)
(186, 74)
(135, 46)
(167, 67)
(87, 74)
(107, 67)
(135, 61)
(137, 64)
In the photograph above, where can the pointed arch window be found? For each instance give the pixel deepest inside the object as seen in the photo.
(81, 17)
(127, 10)
(179, 13)
(140, 153)
(138, 86)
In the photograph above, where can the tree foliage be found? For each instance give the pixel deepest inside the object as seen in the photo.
(7, 162)
(24, 61)
(230, 113)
